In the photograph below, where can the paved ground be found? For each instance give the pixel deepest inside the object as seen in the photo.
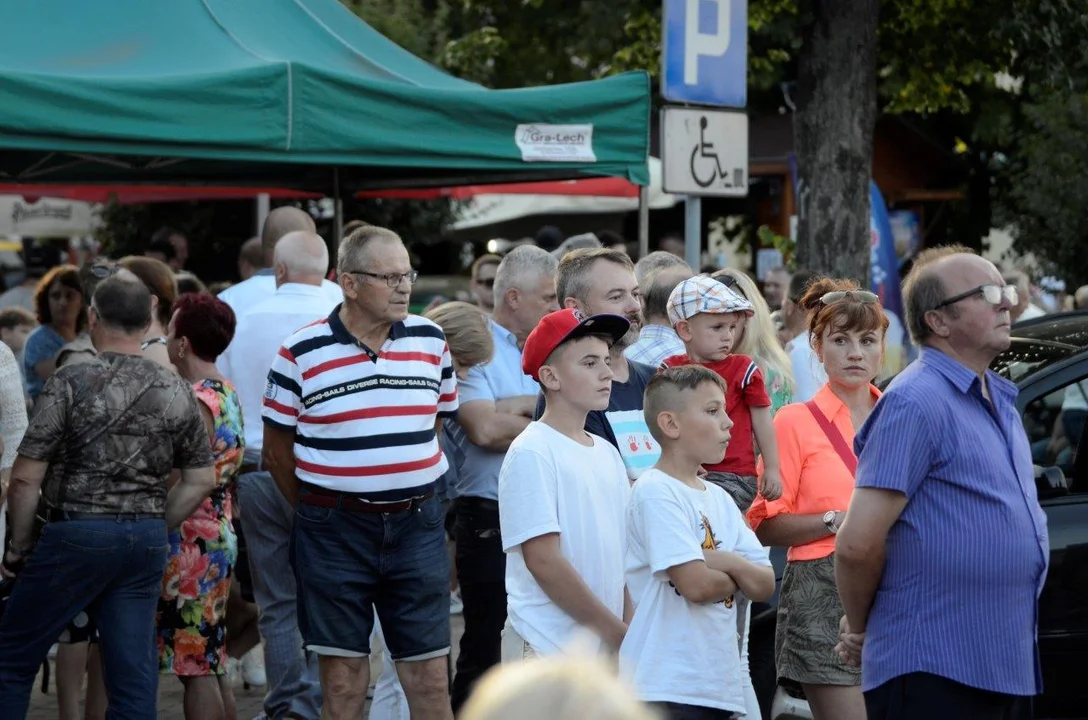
(43, 706)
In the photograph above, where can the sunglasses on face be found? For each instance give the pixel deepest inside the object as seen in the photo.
(861, 296)
(486, 282)
(992, 294)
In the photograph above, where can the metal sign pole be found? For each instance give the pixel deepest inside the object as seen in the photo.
(264, 206)
(643, 221)
(693, 231)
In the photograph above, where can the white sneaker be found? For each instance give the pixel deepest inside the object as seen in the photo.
(456, 606)
(253, 667)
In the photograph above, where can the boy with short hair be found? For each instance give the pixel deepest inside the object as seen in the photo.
(563, 498)
(16, 323)
(689, 552)
(709, 318)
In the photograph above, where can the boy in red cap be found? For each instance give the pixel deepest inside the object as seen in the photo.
(563, 498)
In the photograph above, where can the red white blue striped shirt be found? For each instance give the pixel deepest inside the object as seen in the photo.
(364, 421)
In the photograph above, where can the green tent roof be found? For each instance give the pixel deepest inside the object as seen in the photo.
(275, 92)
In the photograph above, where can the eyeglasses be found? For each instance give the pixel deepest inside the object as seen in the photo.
(993, 294)
(392, 279)
(862, 296)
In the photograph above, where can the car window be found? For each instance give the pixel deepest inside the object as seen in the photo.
(1055, 424)
(1026, 356)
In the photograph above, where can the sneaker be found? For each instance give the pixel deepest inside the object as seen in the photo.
(253, 667)
(456, 606)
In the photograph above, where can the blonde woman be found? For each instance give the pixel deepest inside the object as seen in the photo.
(759, 339)
(561, 688)
(467, 333)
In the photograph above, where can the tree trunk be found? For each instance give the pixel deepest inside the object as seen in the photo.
(833, 136)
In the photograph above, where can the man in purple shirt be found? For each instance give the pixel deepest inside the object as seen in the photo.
(944, 550)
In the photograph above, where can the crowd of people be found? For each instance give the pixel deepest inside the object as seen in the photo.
(595, 453)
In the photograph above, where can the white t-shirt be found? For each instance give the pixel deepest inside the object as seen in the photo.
(678, 651)
(551, 484)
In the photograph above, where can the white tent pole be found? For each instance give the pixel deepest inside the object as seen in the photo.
(264, 206)
(643, 221)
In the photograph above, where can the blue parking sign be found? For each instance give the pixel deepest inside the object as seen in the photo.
(705, 58)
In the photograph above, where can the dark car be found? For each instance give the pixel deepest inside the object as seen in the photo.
(1048, 360)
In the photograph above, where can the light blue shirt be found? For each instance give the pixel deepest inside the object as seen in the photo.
(42, 344)
(966, 560)
(478, 472)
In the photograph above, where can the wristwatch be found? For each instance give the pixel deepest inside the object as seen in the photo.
(830, 518)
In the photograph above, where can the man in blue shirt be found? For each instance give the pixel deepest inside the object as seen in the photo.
(944, 550)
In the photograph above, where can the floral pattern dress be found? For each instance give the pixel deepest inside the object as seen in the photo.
(195, 587)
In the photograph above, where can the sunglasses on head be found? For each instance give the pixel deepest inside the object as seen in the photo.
(732, 283)
(861, 296)
(104, 271)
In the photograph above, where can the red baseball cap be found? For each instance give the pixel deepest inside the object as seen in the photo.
(556, 328)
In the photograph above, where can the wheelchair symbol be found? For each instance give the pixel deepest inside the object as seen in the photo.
(703, 171)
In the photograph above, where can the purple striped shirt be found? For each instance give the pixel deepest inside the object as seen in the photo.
(967, 558)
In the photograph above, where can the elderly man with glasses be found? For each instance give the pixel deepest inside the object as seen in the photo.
(944, 549)
(352, 410)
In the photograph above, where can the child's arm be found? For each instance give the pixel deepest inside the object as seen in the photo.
(565, 587)
(771, 484)
(755, 581)
(698, 583)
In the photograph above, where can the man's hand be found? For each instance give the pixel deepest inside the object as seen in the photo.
(850, 644)
(770, 486)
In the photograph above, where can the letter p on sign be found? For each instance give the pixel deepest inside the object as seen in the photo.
(707, 44)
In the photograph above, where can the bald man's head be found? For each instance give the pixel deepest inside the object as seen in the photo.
(1080, 298)
(301, 257)
(279, 222)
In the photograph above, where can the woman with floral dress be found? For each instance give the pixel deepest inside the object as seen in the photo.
(191, 620)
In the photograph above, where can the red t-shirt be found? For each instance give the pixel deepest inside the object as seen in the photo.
(745, 389)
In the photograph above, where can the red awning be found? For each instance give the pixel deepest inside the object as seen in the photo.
(598, 187)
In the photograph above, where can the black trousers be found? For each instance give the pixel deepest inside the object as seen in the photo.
(481, 573)
(932, 697)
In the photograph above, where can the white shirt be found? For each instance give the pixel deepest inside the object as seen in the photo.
(808, 371)
(675, 650)
(247, 294)
(1031, 312)
(552, 484)
(258, 335)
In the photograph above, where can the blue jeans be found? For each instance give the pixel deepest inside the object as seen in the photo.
(349, 564)
(113, 568)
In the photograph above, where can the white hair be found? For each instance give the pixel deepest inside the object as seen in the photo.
(656, 261)
(296, 251)
(521, 268)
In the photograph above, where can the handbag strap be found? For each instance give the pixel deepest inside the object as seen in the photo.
(836, 438)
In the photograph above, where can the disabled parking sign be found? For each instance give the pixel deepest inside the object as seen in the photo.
(705, 52)
(704, 152)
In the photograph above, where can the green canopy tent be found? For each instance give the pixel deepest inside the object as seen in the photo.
(282, 93)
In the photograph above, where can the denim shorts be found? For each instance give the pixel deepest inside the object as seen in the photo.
(349, 564)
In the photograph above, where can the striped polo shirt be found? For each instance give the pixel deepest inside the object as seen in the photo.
(364, 421)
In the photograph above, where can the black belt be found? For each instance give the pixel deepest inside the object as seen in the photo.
(479, 503)
(58, 515)
(351, 502)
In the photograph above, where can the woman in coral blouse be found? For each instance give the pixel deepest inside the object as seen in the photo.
(815, 445)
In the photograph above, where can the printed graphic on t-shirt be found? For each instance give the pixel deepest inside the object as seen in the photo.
(638, 448)
(711, 542)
